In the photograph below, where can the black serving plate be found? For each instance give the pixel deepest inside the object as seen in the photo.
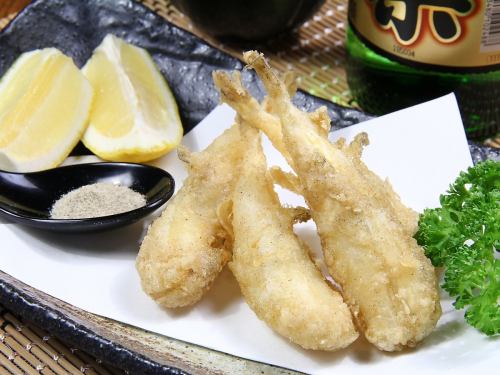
(76, 27)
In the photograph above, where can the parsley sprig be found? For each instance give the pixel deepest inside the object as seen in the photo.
(463, 236)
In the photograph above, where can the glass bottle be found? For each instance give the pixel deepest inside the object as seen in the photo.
(404, 52)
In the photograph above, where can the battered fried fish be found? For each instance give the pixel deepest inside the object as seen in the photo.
(272, 266)
(187, 247)
(365, 231)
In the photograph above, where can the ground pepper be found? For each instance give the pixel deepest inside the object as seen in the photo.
(95, 200)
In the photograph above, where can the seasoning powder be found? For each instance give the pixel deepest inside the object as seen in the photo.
(99, 199)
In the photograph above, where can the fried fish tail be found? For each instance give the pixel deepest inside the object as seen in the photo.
(272, 266)
(380, 190)
(186, 247)
(249, 109)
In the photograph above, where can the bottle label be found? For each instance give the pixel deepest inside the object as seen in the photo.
(441, 33)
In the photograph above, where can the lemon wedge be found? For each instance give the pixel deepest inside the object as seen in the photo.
(134, 115)
(44, 107)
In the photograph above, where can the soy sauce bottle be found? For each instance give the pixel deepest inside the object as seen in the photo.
(404, 52)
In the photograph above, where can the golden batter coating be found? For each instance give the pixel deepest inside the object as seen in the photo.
(365, 231)
(187, 247)
(272, 266)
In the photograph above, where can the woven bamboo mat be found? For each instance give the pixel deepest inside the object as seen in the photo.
(26, 349)
(315, 52)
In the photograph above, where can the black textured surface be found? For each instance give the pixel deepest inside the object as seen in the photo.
(480, 152)
(76, 27)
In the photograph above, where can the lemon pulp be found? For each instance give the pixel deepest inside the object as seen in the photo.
(44, 106)
(134, 115)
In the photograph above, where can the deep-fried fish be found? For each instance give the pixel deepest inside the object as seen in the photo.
(187, 247)
(365, 231)
(272, 266)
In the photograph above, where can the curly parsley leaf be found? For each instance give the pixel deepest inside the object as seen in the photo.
(463, 235)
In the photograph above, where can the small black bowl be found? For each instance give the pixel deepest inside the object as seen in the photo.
(27, 198)
(243, 20)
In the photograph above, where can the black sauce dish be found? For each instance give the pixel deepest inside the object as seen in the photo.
(27, 198)
(248, 21)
